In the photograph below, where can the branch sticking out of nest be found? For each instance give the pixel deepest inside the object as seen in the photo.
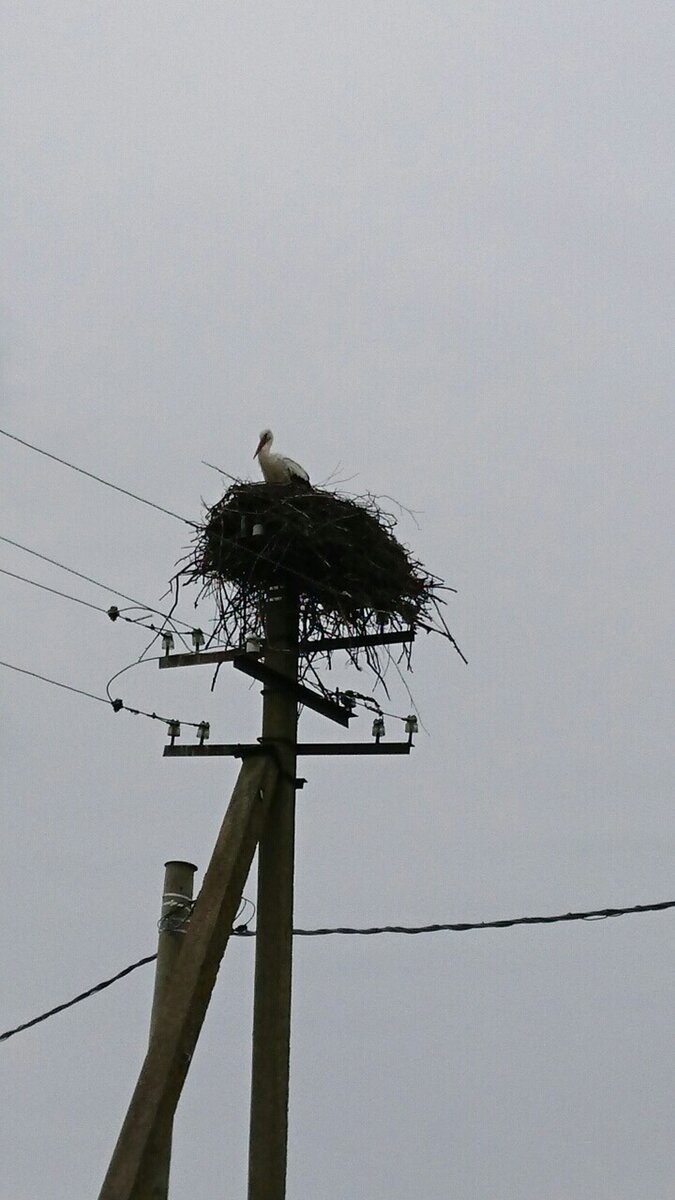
(338, 553)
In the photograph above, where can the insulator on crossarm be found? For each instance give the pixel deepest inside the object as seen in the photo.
(167, 642)
(198, 639)
(203, 732)
(174, 730)
(378, 728)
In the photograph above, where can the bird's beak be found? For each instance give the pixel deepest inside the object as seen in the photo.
(261, 443)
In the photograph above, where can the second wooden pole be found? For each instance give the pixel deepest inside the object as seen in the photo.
(176, 909)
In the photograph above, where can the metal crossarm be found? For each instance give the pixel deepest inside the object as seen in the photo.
(310, 646)
(251, 749)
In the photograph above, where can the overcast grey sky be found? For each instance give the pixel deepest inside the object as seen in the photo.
(431, 242)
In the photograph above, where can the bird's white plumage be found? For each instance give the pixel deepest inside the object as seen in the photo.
(276, 468)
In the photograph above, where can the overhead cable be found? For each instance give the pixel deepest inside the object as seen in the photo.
(116, 705)
(114, 612)
(457, 927)
(99, 987)
(104, 586)
(461, 927)
(55, 682)
(90, 474)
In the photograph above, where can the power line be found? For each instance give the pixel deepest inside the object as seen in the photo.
(99, 987)
(55, 682)
(457, 927)
(113, 613)
(104, 586)
(116, 705)
(55, 592)
(461, 927)
(106, 483)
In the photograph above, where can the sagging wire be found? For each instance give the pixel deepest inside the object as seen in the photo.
(106, 483)
(457, 927)
(113, 612)
(116, 704)
(133, 603)
(172, 723)
(56, 683)
(242, 921)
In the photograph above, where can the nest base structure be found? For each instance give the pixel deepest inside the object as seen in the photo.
(337, 554)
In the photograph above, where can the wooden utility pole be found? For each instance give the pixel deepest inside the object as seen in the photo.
(182, 1011)
(274, 921)
(176, 909)
(261, 814)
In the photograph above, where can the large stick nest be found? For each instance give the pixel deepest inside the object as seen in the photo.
(337, 553)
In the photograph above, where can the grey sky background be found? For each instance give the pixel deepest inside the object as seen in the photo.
(431, 242)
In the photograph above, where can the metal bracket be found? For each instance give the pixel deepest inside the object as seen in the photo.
(271, 677)
(249, 749)
(326, 645)
(199, 658)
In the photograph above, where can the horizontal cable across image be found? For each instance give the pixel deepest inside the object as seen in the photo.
(597, 914)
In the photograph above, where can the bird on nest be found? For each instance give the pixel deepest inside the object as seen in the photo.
(276, 468)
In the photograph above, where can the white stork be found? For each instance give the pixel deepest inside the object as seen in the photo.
(275, 467)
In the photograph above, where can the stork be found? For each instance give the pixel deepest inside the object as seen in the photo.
(275, 467)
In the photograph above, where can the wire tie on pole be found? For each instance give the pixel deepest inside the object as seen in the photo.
(174, 922)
